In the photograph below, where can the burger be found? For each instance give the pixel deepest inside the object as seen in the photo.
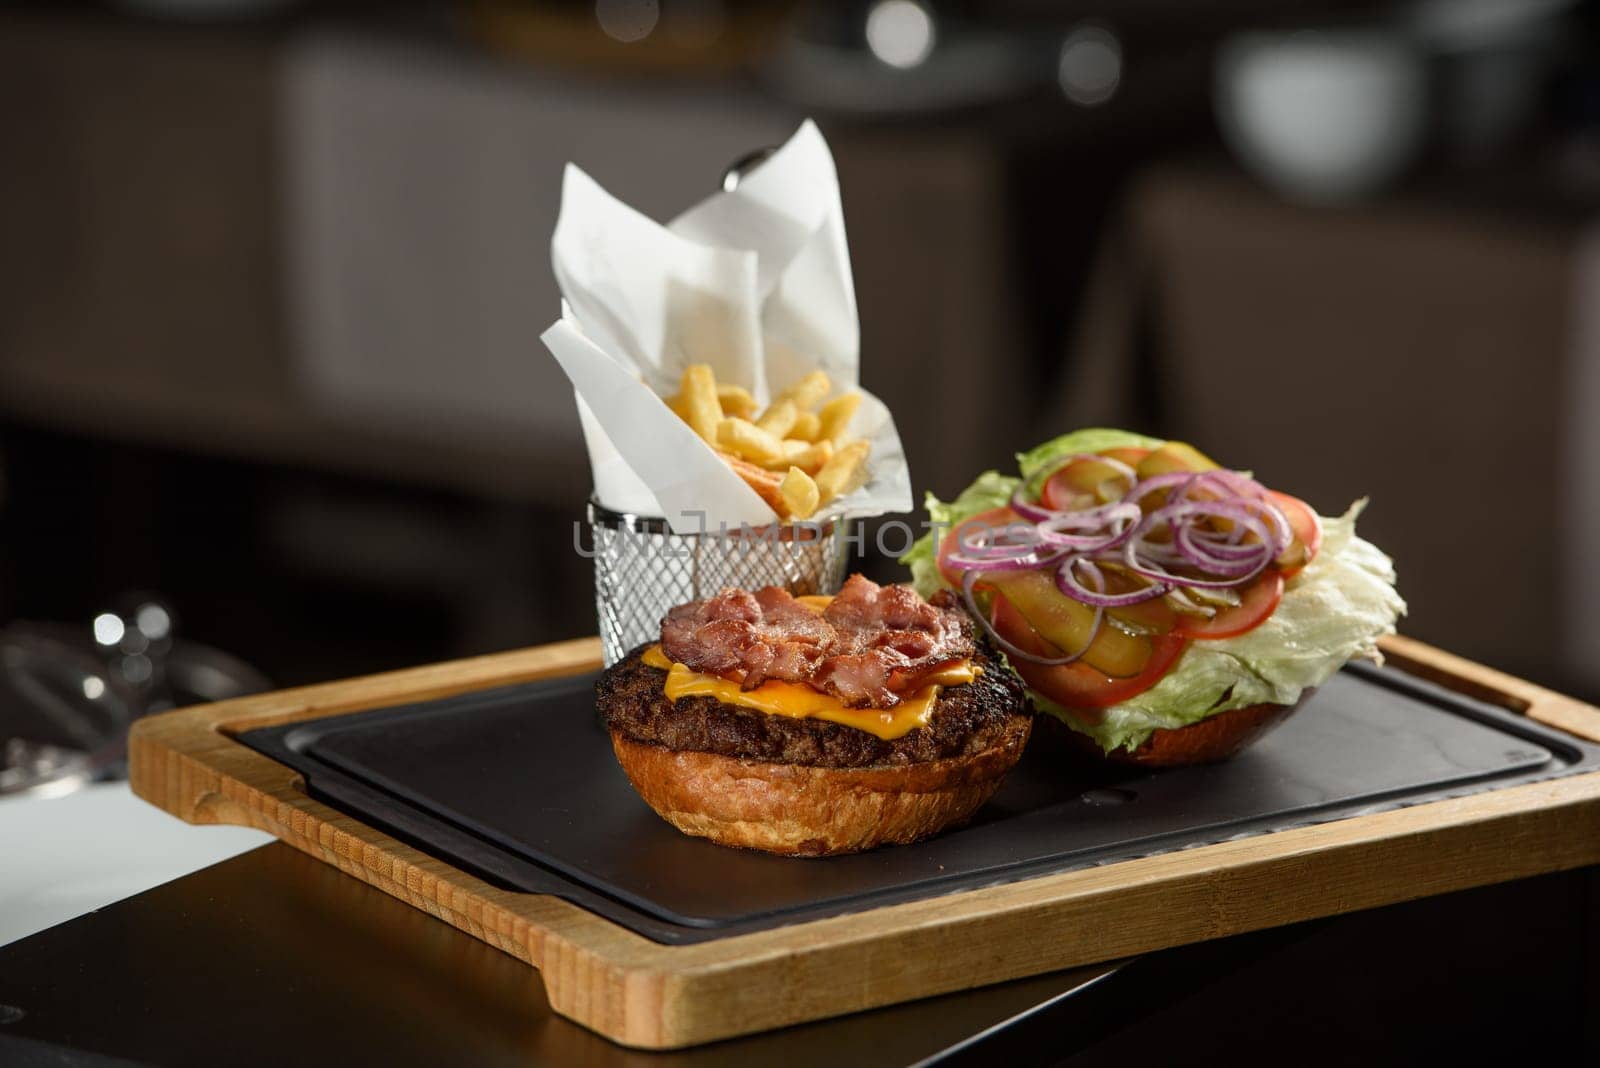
(1161, 609)
(812, 726)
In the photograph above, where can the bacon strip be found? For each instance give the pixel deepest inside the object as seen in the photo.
(871, 646)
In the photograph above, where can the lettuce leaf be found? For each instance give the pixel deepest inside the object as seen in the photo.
(1333, 611)
(990, 490)
(1092, 439)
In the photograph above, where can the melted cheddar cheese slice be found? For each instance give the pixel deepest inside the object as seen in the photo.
(802, 702)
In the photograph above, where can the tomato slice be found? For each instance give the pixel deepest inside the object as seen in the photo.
(1077, 686)
(1307, 532)
(1083, 483)
(1257, 601)
(1060, 493)
(992, 519)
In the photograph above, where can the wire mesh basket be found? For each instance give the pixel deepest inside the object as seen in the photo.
(641, 568)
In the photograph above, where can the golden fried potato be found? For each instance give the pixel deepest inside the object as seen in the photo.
(736, 401)
(697, 392)
(779, 418)
(835, 416)
(845, 471)
(807, 427)
(744, 439)
(808, 392)
(758, 478)
(791, 436)
(799, 493)
(808, 456)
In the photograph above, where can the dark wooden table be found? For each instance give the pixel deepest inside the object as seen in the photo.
(273, 958)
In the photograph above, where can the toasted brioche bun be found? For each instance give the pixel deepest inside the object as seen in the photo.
(1210, 740)
(801, 810)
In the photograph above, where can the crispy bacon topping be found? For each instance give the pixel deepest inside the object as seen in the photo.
(871, 646)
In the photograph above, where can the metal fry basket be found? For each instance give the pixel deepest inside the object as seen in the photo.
(641, 568)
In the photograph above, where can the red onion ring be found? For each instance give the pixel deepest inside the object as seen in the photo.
(1125, 512)
(1235, 511)
(1001, 565)
(1167, 480)
(1251, 490)
(1028, 510)
(1074, 541)
(981, 538)
(1235, 570)
(1159, 574)
(1222, 546)
(1229, 573)
(1068, 584)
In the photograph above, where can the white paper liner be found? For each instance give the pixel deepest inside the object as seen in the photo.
(755, 282)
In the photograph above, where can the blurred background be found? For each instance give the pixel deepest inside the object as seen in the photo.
(272, 274)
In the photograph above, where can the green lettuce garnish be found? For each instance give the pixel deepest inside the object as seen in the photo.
(1040, 461)
(990, 490)
(1332, 612)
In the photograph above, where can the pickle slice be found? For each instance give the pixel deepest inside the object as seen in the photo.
(1175, 456)
(1067, 624)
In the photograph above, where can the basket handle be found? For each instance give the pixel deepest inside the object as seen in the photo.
(1496, 687)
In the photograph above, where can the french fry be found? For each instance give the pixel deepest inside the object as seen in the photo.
(815, 458)
(845, 471)
(697, 392)
(808, 456)
(736, 401)
(800, 495)
(808, 392)
(835, 416)
(792, 437)
(779, 418)
(807, 426)
(748, 441)
(764, 482)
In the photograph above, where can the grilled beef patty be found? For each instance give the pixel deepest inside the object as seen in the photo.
(966, 719)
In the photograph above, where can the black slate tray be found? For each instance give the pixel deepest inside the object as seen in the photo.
(519, 785)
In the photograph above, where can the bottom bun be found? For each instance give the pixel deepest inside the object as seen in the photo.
(1212, 739)
(801, 810)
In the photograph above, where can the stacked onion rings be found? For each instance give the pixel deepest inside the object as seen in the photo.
(1175, 532)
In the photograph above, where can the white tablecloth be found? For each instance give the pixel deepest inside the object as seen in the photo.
(61, 857)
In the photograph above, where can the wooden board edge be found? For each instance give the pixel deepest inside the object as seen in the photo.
(1488, 684)
(1023, 929)
(543, 931)
(668, 997)
(187, 763)
(645, 995)
(196, 723)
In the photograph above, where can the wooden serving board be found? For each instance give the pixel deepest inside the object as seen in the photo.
(642, 993)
